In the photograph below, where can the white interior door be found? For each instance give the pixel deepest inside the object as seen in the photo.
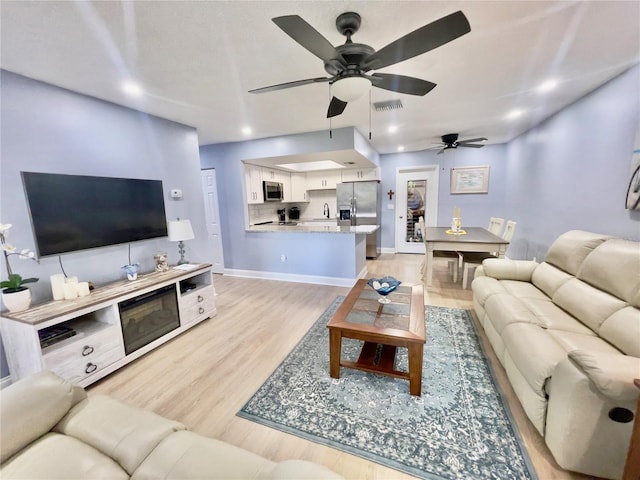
(416, 195)
(212, 215)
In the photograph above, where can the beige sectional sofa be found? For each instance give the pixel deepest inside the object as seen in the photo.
(567, 332)
(52, 430)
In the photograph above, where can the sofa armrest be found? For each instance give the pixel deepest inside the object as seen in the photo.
(507, 269)
(611, 373)
(31, 407)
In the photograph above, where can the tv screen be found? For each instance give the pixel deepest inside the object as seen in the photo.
(77, 212)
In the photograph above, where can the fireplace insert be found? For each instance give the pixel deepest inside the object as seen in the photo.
(147, 317)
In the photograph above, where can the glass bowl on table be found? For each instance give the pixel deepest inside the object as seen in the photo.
(383, 287)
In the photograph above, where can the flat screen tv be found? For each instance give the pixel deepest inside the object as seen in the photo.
(77, 212)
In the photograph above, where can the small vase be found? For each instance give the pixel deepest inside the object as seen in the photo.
(131, 271)
(17, 301)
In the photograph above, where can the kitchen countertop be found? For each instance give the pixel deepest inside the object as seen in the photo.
(309, 227)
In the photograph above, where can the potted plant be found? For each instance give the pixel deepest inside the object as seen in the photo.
(15, 296)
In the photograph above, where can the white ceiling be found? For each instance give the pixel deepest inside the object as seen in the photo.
(196, 61)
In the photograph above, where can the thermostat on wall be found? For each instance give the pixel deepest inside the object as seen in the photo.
(176, 193)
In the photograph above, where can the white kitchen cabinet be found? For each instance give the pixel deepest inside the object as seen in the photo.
(323, 180)
(298, 188)
(253, 182)
(360, 174)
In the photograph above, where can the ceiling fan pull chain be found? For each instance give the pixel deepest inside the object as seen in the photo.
(370, 114)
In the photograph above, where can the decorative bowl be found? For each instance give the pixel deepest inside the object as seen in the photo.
(384, 286)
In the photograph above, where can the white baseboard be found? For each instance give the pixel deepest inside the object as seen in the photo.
(388, 250)
(5, 381)
(294, 277)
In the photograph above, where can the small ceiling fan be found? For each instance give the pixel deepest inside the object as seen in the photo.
(450, 140)
(348, 64)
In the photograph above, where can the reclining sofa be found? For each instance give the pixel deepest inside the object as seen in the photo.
(52, 430)
(567, 332)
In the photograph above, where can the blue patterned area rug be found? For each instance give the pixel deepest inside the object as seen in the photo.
(460, 428)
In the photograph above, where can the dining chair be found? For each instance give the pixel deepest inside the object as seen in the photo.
(474, 259)
(452, 258)
(495, 225)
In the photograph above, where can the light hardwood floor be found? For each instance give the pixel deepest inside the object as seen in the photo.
(203, 377)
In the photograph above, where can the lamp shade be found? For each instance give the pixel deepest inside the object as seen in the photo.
(350, 88)
(180, 230)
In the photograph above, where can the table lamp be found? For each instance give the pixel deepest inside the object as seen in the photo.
(180, 230)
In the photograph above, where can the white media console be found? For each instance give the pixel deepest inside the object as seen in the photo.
(113, 326)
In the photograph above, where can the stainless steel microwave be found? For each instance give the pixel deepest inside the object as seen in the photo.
(272, 191)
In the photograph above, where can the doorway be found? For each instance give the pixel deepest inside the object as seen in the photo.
(416, 196)
(212, 217)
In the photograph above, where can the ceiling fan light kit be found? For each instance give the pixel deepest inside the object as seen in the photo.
(349, 63)
(349, 89)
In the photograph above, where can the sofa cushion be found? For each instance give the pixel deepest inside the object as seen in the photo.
(571, 341)
(534, 352)
(503, 309)
(549, 278)
(523, 290)
(588, 304)
(550, 316)
(31, 407)
(615, 268)
(185, 455)
(622, 329)
(612, 374)
(570, 249)
(56, 456)
(124, 433)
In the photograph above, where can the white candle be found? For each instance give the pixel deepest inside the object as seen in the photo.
(71, 280)
(57, 282)
(70, 291)
(83, 289)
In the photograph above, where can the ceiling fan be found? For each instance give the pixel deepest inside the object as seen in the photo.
(348, 64)
(450, 140)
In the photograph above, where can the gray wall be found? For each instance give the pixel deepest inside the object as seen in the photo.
(572, 171)
(49, 129)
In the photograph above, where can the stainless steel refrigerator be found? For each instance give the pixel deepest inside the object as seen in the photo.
(359, 204)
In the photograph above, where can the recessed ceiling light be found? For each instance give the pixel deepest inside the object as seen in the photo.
(401, 148)
(547, 86)
(131, 88)
(246, 130)
(516, 113)
(392, 129)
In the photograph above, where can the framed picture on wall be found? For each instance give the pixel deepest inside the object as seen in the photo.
(470, 179)
(633, 190)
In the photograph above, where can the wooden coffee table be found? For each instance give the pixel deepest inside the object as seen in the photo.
(396, 324)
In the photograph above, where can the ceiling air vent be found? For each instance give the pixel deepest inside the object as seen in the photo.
(388, 105)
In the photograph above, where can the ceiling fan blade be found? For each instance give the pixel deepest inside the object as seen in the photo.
(473, 140)
(472, 145)
(308, 37)
(336, 107)
(297, 83)
(420, 41)
(402, 84)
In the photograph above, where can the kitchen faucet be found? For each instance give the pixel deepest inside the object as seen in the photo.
(326, 210)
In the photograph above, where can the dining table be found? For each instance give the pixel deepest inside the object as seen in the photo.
(469, 239)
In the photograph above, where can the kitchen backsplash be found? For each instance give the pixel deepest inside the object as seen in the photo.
(265, 212)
